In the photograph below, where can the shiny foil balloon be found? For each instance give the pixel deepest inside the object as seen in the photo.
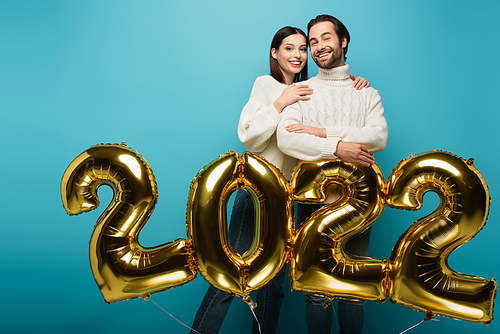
(210, 191)
(420, 276)
(122, 268)
(320, 263)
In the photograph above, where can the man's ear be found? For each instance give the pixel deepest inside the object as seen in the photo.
(344, 42)
(274, 53)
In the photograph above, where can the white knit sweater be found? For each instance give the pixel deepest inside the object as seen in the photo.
(258, 122)
(347, 114)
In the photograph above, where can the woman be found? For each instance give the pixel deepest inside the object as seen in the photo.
(257, 131)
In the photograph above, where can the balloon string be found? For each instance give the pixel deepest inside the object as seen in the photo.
(336, 319)
(329, 303)
(175, 317)
(255, 316)
(417, 325)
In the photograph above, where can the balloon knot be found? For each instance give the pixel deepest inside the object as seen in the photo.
(428, 316)
(327, 304)
(250, 302)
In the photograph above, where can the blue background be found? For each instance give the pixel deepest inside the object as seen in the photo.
(170, 79)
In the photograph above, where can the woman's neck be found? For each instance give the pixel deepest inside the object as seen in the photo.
(288, 79)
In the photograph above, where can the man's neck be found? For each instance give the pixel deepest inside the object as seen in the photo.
(339, 73)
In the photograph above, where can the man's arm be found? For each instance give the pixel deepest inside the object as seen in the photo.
(302, 146)
(351, 144)
(354, 153)
(374, 134)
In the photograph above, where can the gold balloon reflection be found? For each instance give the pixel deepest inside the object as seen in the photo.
(122, 268)
(417, 274)
(420, 276)
(210, 191)
(319, 263)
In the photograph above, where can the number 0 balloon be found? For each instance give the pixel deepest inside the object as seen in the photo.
(219, 264)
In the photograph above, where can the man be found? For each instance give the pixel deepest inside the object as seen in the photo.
(352, 124)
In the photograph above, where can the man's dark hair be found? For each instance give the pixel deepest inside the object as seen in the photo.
(340, 29)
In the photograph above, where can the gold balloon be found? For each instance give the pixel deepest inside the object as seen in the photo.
(320, 263)
(417, 274)
(210, 191)
(420, 276)
(122, 268)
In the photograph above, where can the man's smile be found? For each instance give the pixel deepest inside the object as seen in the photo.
(323, 54)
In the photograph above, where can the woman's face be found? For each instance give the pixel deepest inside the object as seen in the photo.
(291, 55)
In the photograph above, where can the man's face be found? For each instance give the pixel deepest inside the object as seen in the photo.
(326, 49)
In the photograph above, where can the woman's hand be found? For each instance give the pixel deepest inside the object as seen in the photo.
(300, 128)
(292, 94)
(359, 82)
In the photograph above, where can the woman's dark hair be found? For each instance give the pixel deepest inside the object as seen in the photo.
(275, 44)
(339, 27)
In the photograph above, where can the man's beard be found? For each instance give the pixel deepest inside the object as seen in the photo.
(335, 57)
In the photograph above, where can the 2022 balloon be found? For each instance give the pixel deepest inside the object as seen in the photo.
(416, 275)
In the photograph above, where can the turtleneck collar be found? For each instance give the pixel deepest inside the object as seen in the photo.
(340, 73)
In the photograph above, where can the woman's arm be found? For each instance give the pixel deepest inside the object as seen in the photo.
(359, 82)
(292, 94)
(257, 124)
(261, 115)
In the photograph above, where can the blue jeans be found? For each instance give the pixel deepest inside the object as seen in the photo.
(351, 313)
(216, 303)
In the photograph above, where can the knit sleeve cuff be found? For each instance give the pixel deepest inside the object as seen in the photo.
(332, 132)
(274, 114)
(329, 148)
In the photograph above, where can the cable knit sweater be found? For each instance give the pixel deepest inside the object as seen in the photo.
(259, 120)
(347, 114)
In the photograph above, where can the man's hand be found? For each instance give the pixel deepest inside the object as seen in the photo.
(299, 128)
(354, 153)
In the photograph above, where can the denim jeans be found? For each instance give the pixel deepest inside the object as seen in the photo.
(216, 303)
(350, 312)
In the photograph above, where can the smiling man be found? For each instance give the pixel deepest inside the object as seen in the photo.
(352, 126)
